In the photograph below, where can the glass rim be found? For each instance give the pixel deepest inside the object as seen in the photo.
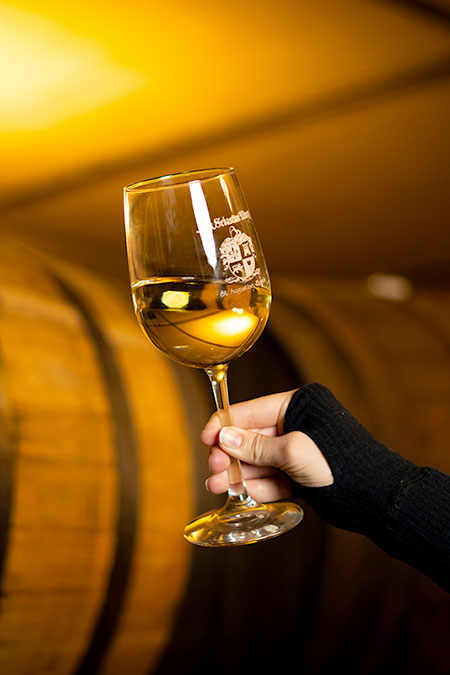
(178, 179)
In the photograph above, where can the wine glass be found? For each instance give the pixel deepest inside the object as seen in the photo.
(201, 293)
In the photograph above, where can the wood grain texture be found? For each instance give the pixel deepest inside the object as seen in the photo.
(95, 560)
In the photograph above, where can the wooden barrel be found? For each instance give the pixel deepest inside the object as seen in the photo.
(387, 357)
(95, 477)
(96, 434)
(320, 600)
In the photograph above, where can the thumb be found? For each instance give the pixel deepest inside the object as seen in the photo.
(295, 453)
(252, 447)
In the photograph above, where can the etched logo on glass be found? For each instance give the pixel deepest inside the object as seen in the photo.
(237, 254)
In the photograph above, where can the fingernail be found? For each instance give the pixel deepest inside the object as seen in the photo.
(206, 484)
(230, 438)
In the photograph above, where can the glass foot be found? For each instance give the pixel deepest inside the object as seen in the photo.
(243, 522)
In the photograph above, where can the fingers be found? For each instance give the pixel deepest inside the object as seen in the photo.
(259, 413)
(295, 453)
(270, 489)
(254, 448)
(217, 483)
(219, 462)
(264, 449)
(263, 489)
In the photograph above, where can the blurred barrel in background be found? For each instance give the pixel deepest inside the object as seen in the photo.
(98, 431)
(387, 356)
(320, 600)
(384, 349)
(95, 477)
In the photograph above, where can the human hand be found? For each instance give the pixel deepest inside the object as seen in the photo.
(270, 459)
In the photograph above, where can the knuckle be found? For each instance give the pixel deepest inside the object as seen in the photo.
(288, 452)
(256, 449)
(215, 419)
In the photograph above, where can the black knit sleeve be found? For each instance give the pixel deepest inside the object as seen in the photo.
(403, 508)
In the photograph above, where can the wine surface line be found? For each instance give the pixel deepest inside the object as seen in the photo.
(201, 323)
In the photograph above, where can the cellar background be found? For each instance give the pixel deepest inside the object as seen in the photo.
(335, 116)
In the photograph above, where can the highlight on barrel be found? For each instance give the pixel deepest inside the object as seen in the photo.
(95, 476)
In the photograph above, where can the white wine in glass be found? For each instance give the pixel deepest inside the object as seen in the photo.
(201, 293)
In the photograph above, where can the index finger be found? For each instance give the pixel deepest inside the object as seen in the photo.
(263, 412)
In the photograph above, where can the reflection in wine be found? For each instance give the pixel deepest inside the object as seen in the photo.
(201, 323)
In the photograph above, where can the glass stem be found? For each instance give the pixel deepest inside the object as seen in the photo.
(237, 491)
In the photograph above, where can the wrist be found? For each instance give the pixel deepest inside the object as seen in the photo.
(367, 475)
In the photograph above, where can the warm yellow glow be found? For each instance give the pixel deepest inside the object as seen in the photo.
(50, 74)
(229, 328)
(234, 325)
(85, 83)
(175, 299)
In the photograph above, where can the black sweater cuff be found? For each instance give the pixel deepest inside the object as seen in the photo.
(402, 507)
(367, 475)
